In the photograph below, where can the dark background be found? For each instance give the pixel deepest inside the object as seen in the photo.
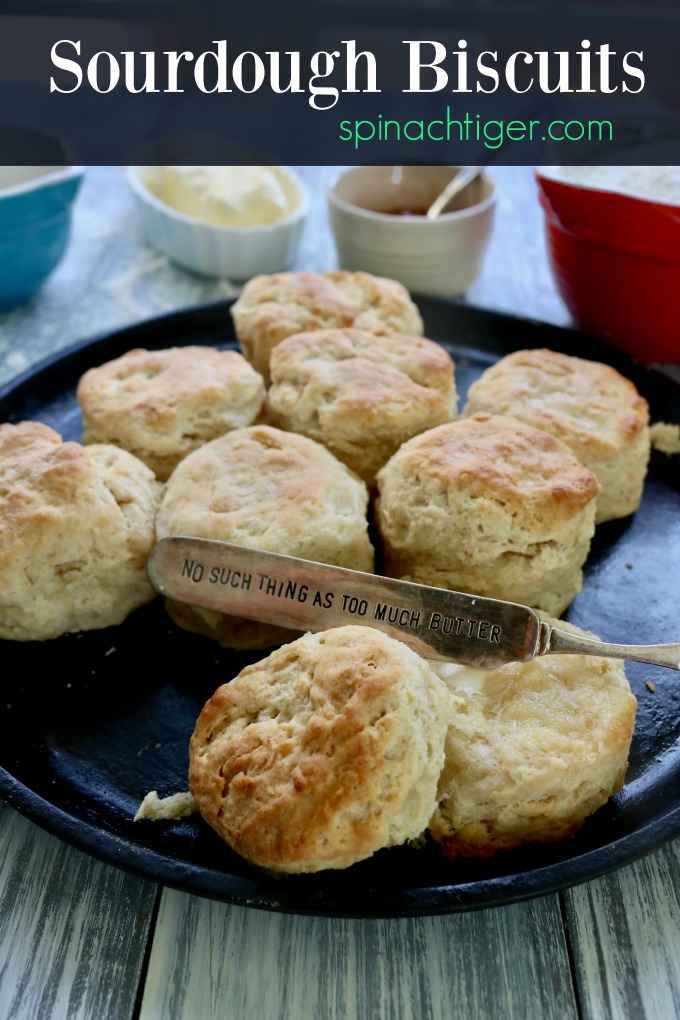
(242, 128)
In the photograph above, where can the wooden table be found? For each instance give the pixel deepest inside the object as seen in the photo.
(80, 939)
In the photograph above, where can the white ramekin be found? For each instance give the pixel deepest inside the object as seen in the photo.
(234, 252)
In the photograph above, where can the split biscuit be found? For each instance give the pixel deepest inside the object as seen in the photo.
(597, 412)
(161, 405)
(76, 528)
(322, 753)
(272, 308)
(491, 506)
(265, 489)
(359, 394)
(533, 749)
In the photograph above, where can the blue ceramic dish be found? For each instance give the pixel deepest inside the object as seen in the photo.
(35, 222)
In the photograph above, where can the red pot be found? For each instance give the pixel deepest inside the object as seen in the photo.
(616, 262)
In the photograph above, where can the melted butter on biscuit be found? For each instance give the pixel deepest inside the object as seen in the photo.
(460, 677)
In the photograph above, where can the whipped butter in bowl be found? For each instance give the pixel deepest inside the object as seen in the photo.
(226, 196)
(233, 221)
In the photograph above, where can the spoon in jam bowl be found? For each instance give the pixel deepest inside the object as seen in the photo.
(454, 187)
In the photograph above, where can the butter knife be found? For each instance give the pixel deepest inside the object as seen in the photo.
(307, 596)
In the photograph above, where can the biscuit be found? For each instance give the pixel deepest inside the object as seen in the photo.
(265, 489)
(491, 506)
(533, 749)
(76, 527)
(161, 405)
(322, 753)
(597, 412)
(272, 308)
(160, 809)
(359, 394)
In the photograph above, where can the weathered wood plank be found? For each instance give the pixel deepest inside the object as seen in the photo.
(211, 960)
(625, 933)
(72, 931)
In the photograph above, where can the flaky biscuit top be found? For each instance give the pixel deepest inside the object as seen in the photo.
(162, 404)
(284, 303)
(524, 470)
(384, 305)
(271, 308)
(475, 489)
(359, 393)
(42, 478)
(270, 490)
(416, 358)
(587, 404)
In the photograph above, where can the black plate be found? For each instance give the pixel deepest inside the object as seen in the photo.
(90, 723)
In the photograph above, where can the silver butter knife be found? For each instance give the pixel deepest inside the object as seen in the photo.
(307, 596)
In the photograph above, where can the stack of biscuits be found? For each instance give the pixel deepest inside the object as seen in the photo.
(334, 436)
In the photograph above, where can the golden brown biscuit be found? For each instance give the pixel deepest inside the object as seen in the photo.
(270, 490)
(272, 308)
(161, 405)
(385, 305)
(323, 753)
(76, 527)
(359, 394)
(589, 406)
(532, 750)
(488, 505)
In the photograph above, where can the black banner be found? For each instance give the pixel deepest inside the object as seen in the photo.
(435, 81)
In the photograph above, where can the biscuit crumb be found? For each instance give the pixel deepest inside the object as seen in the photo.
(110, 651)
(629, 566)
(178, 805)
(650, 685)
(665, 437)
